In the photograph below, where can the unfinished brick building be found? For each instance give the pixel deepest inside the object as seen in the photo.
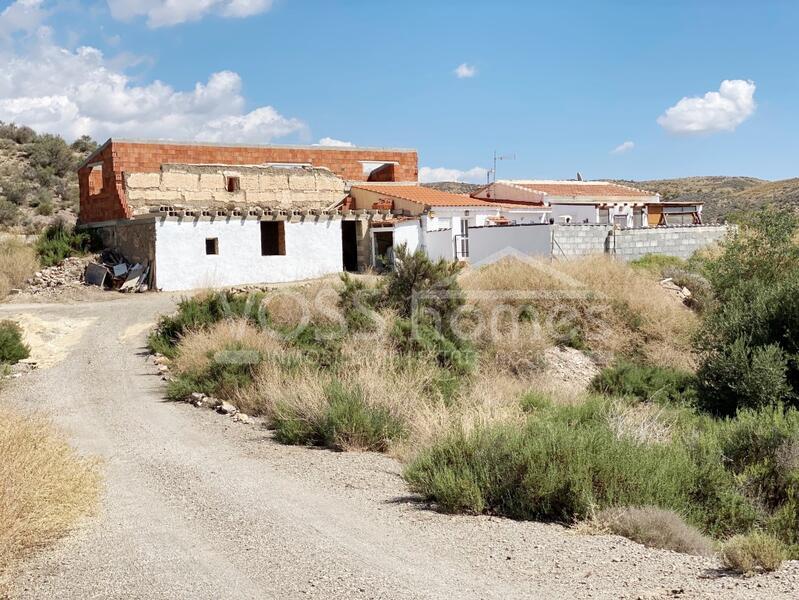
(216, 215)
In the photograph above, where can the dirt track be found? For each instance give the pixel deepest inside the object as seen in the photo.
(197, 506)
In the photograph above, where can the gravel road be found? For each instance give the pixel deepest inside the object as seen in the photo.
(198, 506)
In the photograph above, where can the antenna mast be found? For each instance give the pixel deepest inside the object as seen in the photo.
(501, 157)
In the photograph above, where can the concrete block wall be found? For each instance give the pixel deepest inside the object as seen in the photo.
(631, 244)
(682, 242)
(192, 186)
(579, 240)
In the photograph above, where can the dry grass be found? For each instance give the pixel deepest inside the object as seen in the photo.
(615, 308)
(644, 423)
(197, 348)
(18, 262)
(298, 305)
(655, 528)
(44, 486)
(752, 553)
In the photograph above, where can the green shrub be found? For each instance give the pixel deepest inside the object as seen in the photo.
(51, 153)
(358, 301)
(645, 382)
(201, 311)
(60, 241)
(420, 285)
(740, 375)
(12, 348)
(752, 553)
(534, 401)
(656, 528)
(320, 344)
(749, 340)
(229, 369)
(657, 263)
(421, 337)
(347, 422)
(9, 213)
(560, 466)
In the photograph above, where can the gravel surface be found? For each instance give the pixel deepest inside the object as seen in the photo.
(199, 506)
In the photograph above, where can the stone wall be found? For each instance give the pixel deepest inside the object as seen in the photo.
(192, 186)
(630, 244)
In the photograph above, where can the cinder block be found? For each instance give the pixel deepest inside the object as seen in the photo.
(302, 181)
(270, 182)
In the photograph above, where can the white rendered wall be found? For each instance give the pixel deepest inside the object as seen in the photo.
(407, 233)
(313, 249)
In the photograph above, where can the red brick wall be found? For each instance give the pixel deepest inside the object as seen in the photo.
(130, 157)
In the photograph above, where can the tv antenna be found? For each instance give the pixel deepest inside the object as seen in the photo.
(494, 170)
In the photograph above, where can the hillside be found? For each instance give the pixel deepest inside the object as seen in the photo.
(37, 177)
(725, 196)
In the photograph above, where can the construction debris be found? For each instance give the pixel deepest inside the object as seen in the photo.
(683, 293)
(112, 271)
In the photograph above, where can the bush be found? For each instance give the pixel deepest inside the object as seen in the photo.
(740, 375)
(656, 528)
(420, 285)
(202, 311)
(12, 348)
(749, 340)
(752, 553)
(20, 134)
(348, 422)
(645, 382)
(358, 302)
(50, 153)
(560, 466)
(227, 370)
(84, 145)
(60, 241)
(9, 213)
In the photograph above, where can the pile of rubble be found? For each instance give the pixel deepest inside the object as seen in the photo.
(682, 292)
(68, 273)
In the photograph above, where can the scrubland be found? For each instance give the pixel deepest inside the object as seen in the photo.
(444, 368)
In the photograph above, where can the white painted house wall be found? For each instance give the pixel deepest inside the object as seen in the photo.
(313, 249)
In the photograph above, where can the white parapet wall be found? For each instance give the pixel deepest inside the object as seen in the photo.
(313, 249)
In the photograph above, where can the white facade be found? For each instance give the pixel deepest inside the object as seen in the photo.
(313, 248)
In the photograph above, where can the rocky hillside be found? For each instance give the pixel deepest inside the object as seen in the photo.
(37, 177)
(726, 196)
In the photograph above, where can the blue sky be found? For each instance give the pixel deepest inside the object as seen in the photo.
(561, 85)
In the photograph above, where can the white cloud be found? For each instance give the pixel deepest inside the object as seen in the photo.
(328, 141)
(715, 111)
(473, 175)
(22, 15)
(464, 71)
(623, 147)
(81, 92)
(163, 13)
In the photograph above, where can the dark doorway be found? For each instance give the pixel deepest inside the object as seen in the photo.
(349, 244)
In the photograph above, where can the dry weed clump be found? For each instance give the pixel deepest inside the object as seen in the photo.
(752, 553)
(44, 486)
(18, 262)
(295, 306)
(655, 528)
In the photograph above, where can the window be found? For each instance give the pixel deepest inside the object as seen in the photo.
(233, 183)
(273, 238)
(212, 245)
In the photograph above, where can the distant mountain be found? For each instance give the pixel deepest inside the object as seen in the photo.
(454, 187)
(725, 196)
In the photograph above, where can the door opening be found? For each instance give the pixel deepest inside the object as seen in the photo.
(349, 244)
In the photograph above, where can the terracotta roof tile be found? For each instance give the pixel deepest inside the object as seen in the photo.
(424, 196)
(581, 188)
